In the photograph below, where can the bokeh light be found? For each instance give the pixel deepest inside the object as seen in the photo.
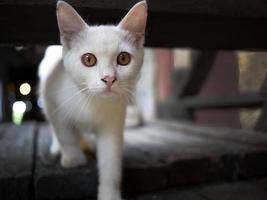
(25, 88)
(18, 108)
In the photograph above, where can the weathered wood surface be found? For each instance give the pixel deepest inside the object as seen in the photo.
(16, 161)
(243, 190)
(205, 24)
(51, 181)
(172, 194)
(253, 190)
(157, 156)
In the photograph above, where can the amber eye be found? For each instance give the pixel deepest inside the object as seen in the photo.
(123, 58)
(89, 60)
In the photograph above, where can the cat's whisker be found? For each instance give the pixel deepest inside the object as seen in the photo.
(131, 96)
(66, 101)
(127, 81)
(70, 112)
(59, 92)
(128, 94)
(84, 103)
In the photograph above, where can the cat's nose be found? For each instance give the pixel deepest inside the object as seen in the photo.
(109, 80)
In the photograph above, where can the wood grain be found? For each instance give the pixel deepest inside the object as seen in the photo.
(206, 24)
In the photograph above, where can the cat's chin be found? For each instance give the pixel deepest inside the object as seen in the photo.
(108, 93)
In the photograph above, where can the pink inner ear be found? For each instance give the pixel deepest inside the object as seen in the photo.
(135, 20)
(69, 21)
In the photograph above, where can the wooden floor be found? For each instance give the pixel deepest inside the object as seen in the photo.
(242, 190)
(162, 160)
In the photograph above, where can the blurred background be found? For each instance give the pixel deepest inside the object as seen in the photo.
(164, 76)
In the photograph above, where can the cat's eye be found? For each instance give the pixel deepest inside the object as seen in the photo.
(89, 59)
(124, 58)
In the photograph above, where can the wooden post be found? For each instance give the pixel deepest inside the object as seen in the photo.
(3, 94)
(261, 124)
(199, 73)
(165, 67)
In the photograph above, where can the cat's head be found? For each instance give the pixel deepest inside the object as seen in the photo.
(105, 59)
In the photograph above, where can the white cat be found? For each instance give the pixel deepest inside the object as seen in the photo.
(85, 90)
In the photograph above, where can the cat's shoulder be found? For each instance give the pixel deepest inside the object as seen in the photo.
(51, 61)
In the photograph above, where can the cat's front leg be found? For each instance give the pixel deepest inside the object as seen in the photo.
(109, 156)
(71, 153)
(55, 146)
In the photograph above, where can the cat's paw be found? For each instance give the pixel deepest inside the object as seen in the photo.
(109, 196)
(54, 150)
(69, 161)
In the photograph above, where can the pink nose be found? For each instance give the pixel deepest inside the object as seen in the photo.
(109, 80)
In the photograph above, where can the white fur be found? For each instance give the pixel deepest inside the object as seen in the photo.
(77, 102)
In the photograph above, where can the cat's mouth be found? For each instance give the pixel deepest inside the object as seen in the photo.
(108, 93)
(109, 90)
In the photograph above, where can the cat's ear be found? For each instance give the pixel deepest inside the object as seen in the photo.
(69, 21)
(135, 20)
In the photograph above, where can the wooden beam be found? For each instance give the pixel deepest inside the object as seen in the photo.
(183, 108)
(206, 24)
(199, 73)
(223, 101)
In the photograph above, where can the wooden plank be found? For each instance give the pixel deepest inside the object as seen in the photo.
(233, 191)
(51, 181)
(157, 156)
(171, 194)
(171, 142)
(235, 164)
(261, 124)
(243, 100)
(248, 137)
(261, 183)
(199, 73)
(207, 24)
(16, 161)
(245, 190)
(195, 154)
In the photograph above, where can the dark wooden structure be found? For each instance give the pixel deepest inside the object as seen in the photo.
(208, 25)
(180, 153)
(239, 24)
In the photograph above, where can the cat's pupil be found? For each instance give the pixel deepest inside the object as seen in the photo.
(123, 58)
(89, 59)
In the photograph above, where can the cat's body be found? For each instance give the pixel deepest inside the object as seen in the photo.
(85, 91)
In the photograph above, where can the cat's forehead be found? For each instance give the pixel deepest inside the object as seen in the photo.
(105, 39)
(103, 33)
